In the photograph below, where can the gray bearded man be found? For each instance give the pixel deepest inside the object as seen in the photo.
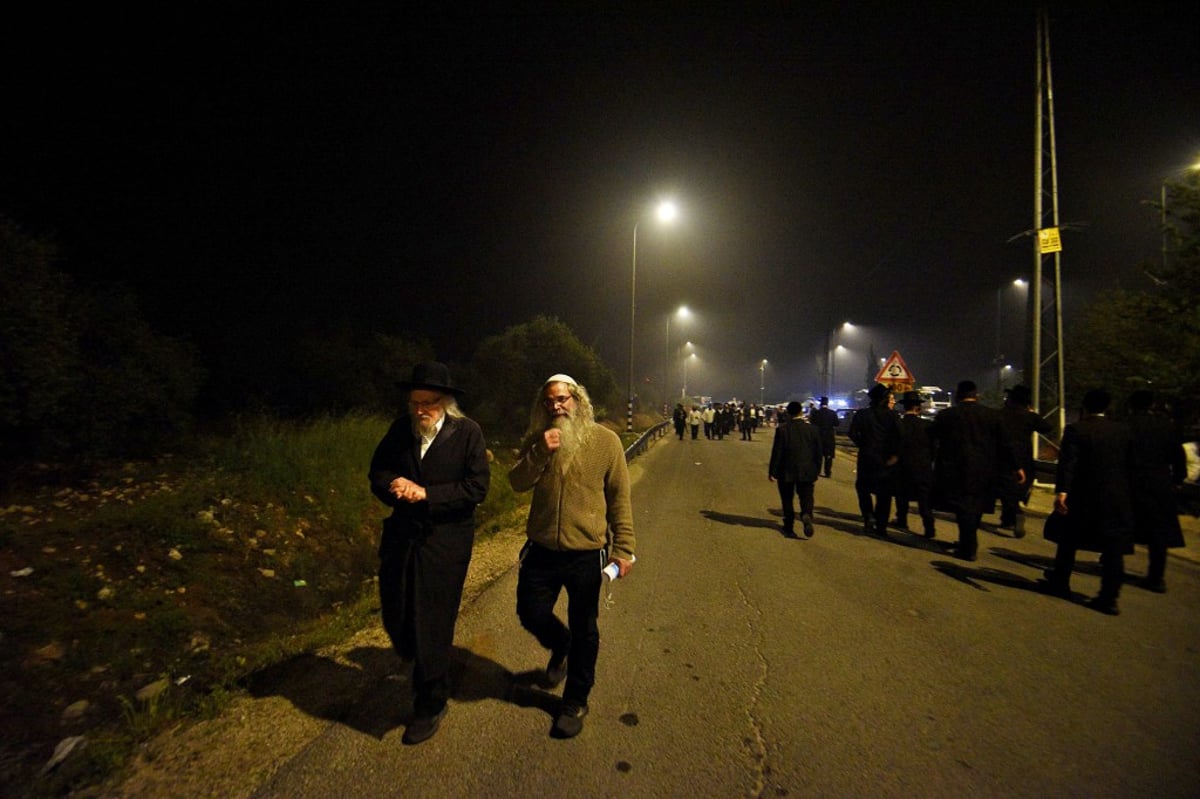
(580, 520)
(432, 470)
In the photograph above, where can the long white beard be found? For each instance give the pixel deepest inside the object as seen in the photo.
(575, 433)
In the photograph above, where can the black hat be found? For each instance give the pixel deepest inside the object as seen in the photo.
(824, 401)
(911, 399)
(433, 376)
(1020, 395)
(878, 392)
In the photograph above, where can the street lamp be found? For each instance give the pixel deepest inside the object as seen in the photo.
(683, 313)
(1018, 283)
(829, 354)
(666, 213)
(683, 394)
(1163, 212)
(762, 369)
(832, 366)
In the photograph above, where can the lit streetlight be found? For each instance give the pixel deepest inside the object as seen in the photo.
(1020, 284)
(666, 213)
(762, 376)
(829, 354)
(689, 357)
(683, 313)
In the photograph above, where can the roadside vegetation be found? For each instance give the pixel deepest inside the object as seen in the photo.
(148, 593)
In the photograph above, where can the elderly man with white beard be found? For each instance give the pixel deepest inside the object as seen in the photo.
(580, 521)
(432, 470)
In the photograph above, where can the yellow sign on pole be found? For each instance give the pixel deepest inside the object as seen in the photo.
(1049, 241)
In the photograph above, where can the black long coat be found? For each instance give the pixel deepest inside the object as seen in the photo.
(1094, 470)
(971, 450)
(1159, 464)
(876, 433)
(916, 452)
(825, 420)
(426, 546)
(796, 453)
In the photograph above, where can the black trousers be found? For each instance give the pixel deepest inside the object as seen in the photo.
(802, 490)
(1112, 566)
(919, 493)
(544, 574)
(968, 533)
(874, 505)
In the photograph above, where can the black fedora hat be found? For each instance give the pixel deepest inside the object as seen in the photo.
(433, 376)
(912, 399)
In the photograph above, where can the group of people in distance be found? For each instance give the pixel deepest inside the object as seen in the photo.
(432, 468)
(720, 419)
(1115, 481)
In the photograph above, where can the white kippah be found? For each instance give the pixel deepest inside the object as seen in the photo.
(560, 378)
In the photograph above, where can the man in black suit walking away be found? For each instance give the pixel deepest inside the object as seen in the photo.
(825, 420)
(971, 450)
(795, 466)
(1091, 492)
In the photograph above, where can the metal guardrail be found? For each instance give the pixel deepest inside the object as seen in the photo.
(643, 441)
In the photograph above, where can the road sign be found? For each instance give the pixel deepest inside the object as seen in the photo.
(1049, 240)
(895, 373)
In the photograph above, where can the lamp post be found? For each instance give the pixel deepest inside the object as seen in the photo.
(683, 313)
(686, 358)
(829, 354)
(1018, 283)
(666, 213)
(762, 376)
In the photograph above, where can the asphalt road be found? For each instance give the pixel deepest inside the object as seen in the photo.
(735, 662)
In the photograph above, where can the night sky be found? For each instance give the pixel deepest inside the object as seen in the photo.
(253, 175)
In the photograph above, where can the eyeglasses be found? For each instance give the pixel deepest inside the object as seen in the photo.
(550, 402)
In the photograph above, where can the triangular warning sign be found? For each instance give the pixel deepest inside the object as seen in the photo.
(894, 371)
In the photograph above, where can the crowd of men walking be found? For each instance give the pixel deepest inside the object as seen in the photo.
(1115, 484)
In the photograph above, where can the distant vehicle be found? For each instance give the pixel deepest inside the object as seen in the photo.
(934, 399)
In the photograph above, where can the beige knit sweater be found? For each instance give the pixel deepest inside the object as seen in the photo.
(586, 506)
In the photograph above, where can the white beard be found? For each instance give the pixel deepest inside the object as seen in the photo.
(574, 434)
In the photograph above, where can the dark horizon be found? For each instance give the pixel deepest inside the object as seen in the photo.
(251, 178)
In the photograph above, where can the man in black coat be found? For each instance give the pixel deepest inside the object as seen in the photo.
(971, 451)
(1021, 423)
(1159, 468)
(876, 432)
(1092, 492)
(825, 420)
(794, 467)
(914, 478)
(432, 469)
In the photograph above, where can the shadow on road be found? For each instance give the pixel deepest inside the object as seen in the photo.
(741, 521)
(375, 696)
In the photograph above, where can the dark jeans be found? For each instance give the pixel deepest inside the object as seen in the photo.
(802, 490)
(544, 574)
(695, 430)
(1112, 567)
(828, 465)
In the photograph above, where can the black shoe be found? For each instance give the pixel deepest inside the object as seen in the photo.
(900, 524)
(807, 521)
(1106, 606)
(788, 532)
(570, 721)
(929, 532)
(1157, 586)
(868, 526)
(422, 728)
(556, 669)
